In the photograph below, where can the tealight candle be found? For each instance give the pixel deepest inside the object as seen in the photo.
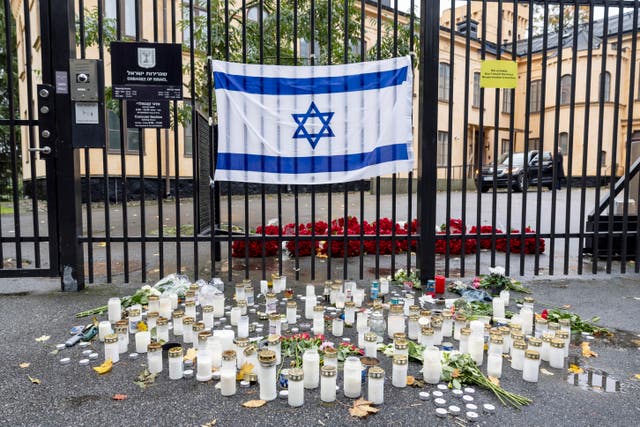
(143, 338)
(114, 309)
(352, 382)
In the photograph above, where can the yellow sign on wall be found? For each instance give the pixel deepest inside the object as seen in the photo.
(495, 73)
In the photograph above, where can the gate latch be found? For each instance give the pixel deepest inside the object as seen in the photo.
(46, 121)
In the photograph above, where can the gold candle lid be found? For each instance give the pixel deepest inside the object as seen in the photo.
(562, 334)
(177, 314)
(531, 354)
(504, 330)
(296, 374)
(396, 309)
(535, 342)
(241, 303)
(292, 304)
(190, 303)
(188, 321)
(399, 336)
(547, 337)
(553, 326)
(318, 308)
(270, 295)
(465, 331)
(328, 370)
(401, 344)
(330, 352)
(447, 315)
(267, 357)
(425, 313)
(175, 352)
(273, 317)
(134, 312)
(153, 315)
(242, 342)
(228, 355)
(400, 359)
(542, 321)
(436, 322)
(461, 318)
(162, 321)
(191, 293)
(204, 336)
(194, 287)
(207, 309)
(376, 372)
(371, 337)
(153, 347)
(153, 298)
(350, 304)
(557, 343)
(249, 350)
(520, 345)
(529, 300)
(121, 329)
(414, 317)
(428, 330)
(515, 326)
(110, 339)
(496, 339)
(246, 281)
(198, 326)
(273, 339)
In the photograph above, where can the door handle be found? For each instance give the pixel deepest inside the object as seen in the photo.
(44, 150)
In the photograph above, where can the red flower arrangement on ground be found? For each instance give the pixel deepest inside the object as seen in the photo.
(352, 246)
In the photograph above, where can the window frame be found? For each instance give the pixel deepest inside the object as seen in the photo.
(444, 84)
(442, 155)
(565, 89)
(535, 96)
(475, 101)
(507, 101)
(607, 86)
(127, 131)
(563, 145)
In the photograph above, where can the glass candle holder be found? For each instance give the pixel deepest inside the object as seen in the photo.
(162, 329)
(371, 344)
(375, 386)
(154, 357)
(427, 336)
(330, 356)
(546, 346)
(207, 316)
(292, 309)
(556, 353)
(165, 307)
(395, 320)
(465, 334)
(187, 330)
(240, 294)
(518, 348)
(178, 316)
(243, 327)
(228, 383)
(271, 303)
(275, 326)
(153, 303)
(318, 320)
(296, 387)
(566, 337)
(362, 321)
(378, 325)
(447, 324)
(274, 344)
(267, 375)
(143, 338)
(228, 361)
(217, 301)
(494, 365)
(204, 366)
(311, 367)
(114, 310)
(328, 383)
(401, 346)
(248, 292)
(496, 343)
(431, 365)
(399, 375)
(111, 351)
(104, 329)
(337, 327)
(122, 331)
(459, 323)
(476, 348)
(190, 309)
(531, 368)
(349, 313)
(135, 316)
(352, 382)
(414, 327)
(176, 370)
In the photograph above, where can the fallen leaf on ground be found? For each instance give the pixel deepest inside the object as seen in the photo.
(145, 379)
(210, 423)
(254, 403)
(24, 365)
(566, 307)
(494, 381)
(119, 396)
(34, 380)
(190, 355)
(362, 408)
(104, 368)
(586, 350)
(410, 380)
(575, 369)
(247, 368)
(43, 338)
(635, 342)
(544, 371)
(142, 327)
(637, 376)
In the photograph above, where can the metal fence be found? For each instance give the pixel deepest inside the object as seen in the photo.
(149, 207)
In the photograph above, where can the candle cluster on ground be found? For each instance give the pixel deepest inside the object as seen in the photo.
(227, 342)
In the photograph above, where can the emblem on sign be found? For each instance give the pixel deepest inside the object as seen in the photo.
(146, 57)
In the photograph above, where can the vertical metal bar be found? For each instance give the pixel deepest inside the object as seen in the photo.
(481, 137)
(296, 204)
(603, 65)
(195, 157)
(556, 129)
(279, 192)
(449, 134)
(12, 134)
(574, 58)
(378, 189)
(362, 206)
(410, 176)
(496, 132)
(614, 143)
(245, 185)
(627, 164)
(227, 23)
(141, 155)
(213, 191)
(58, 46)
(330, 187)
(394, 177)
(345, 60)
(159, 189)
(176, 157)
(465, 137)
(585, 140)
(428, 125)
(262, 186)
(312, 49)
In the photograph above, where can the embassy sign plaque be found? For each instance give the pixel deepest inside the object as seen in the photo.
(146, 71)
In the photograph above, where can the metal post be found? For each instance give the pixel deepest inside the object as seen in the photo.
(427, 134)
(58, 46)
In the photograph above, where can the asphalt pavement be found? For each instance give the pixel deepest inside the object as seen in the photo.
(75, 395)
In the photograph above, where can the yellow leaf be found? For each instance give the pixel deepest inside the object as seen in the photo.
(254, 403)
(575, 369)
(191, 354)
(34, 380)
(142, 327)
(362, 408)
(102, 244)
(637, 376)
(586, 350)
(104, 368)
(247, 368)
(43, 338)
(494, 381)
(210, 423)
(410, 380)
(24, 365)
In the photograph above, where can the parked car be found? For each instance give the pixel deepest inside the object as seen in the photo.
(519, 178)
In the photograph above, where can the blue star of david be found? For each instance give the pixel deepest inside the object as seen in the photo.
(301, 120)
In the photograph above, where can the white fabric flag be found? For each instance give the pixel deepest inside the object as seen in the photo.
(315, 124)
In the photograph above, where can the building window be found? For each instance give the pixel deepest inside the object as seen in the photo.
(563, 142)
(188, 139)
(444, 81)
(133, 135)
(199, 23)
(565, 89)
(534, 144)
(606, 94)
(127, 15)
(504, 147)
(506, 100)
(603, 159)
(305, 51)
(476, 90)
(535, 96)
(443, 148)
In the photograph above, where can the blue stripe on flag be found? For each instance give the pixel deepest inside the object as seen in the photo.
(310, 85)
(312, 164)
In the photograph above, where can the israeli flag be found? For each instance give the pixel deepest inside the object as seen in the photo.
(313, 125)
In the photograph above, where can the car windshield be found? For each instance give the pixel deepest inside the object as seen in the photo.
(518, 159)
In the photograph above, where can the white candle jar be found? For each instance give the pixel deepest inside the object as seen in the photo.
(174, 301)
(104, 329)
(370, 344)
(330, 357)
(217, 301)
(154, 358)
(111, 348)
(565, 336)
(196, 328)
(264, 286)
(496, 343)
(542, 326)
(296, 387)
(395, 321)
(204, 366)
(267, 374)
(275, 325)
(274, 344)
(162, 329)
(516, 336)
(401, 346)
(349, 313)
(153, 304)
(240, 294)
(352, 382)
(309, 305)
(427, 336)
(494, 365)
(187, 330)
(152, 321)
(165, 307)
(531, 366)
(399, 375)
(362, 321)
(248, 292)
(414, 327)
(476, 348)
(243, 327)
(251, 355)
(318, 320)
(228, 383)
(311, 367)
(207, 316)
(375, 386)
(436, 325)
(240, 345)
(226, 338)
(358, 297)
(546, 346)
(178, 316)
(122, 331)
(447, 324)
(203, 338)
(242, 305)
(460, 322)
(328, 383)
(228, 361)
(135, 316)
(235, 315)
(505, 295)
(534, 344)
(556, 353)
(431, 365)
(465, 334)
(190, 309)
(114, 310)
(271, 303)
(506, 339)
(337, 327)
(517, 354)
(292, 308)
(176, 370)
(498, 308)
(143, 338)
